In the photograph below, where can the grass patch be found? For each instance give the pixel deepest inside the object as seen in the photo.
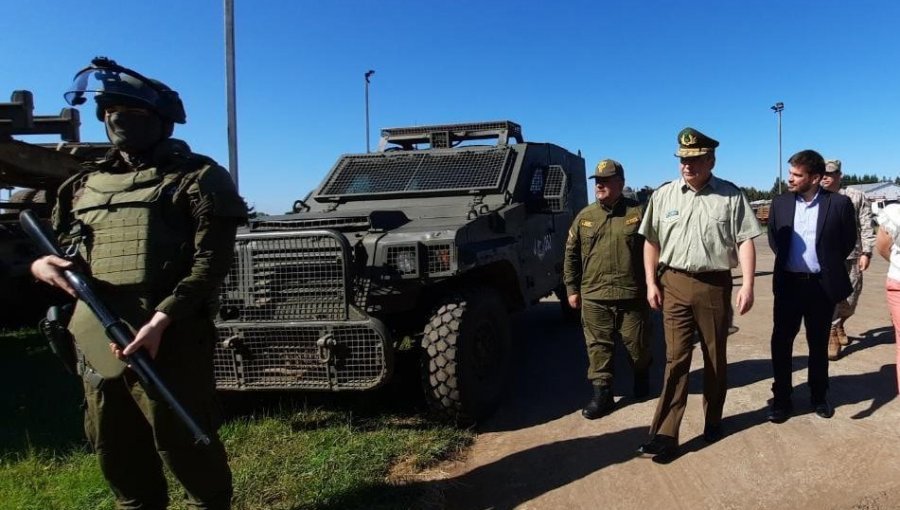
(331, 456)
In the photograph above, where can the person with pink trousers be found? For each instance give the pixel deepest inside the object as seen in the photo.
(887, 244)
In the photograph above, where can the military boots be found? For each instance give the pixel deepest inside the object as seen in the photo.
(842, 335)
(834, 344)
(601, 403)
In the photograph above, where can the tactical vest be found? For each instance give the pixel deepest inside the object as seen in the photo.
(129, 234)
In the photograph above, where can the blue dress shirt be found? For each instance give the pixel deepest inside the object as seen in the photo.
(802, 256)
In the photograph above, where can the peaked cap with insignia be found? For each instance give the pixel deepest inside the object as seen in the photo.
(692, 143)
(608, 168)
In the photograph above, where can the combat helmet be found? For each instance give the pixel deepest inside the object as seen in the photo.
(112, 84)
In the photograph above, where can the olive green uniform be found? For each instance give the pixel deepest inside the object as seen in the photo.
(698, 233)
(603, 264)
(158, 236)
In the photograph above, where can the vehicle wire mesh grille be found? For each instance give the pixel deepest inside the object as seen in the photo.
(435, 171)
(354, 222)
(294, 356)
(441, 259)
(404, 259)
(287, 277)
(555, 188)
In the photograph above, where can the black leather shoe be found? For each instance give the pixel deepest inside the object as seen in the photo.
(600, 404)
(659, 446)
(824, 410)
(780, 413)
(712, 433)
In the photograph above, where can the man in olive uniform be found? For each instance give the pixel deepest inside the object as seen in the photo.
(697, 229)
(604, 276)
(155, 225)
(857, 262)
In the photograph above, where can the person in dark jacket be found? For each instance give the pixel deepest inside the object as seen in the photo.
(812, 231)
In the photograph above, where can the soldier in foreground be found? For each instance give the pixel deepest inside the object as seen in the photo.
(604, 276)
(155, 225)
(696, 228)
(857, 262)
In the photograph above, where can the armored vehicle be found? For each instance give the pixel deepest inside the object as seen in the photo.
(29, 176)
(427, 244)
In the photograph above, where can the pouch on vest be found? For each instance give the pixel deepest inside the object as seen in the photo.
(128, 241)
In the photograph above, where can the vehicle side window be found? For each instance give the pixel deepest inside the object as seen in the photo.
(556, 189)
(535, 201)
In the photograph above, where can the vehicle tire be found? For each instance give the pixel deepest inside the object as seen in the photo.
(466, 355)
(569, 314)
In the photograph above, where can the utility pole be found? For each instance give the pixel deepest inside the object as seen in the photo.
(368, 75)
(230, 91)
(778, 108)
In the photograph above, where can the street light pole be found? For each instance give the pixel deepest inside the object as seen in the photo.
(778, 108)
(368, 74)
(230, 92)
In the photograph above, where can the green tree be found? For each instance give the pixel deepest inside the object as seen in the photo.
(754, 194)
(774, 191)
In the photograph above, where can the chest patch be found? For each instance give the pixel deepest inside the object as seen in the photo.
(672, 213)
(633, 220)
(587, 223)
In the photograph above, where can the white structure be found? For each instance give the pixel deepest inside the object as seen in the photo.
(879, 191)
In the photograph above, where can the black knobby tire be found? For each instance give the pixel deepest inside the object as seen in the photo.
(466, 355)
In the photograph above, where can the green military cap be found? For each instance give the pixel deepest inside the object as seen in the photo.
(833, 166)
(608, 168)
(692, 143)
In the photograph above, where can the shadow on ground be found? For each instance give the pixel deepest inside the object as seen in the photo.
(871, 338)
(524, 475)
(549, 378)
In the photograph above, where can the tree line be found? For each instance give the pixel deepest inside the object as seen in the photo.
(846, 180)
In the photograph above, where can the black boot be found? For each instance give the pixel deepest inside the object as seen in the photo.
(641, 385)
(600, 404)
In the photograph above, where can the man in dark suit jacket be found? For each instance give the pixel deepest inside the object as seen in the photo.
(811, 231)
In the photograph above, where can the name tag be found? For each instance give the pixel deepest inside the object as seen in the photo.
(587, 223)
(671, 214)
(632, 221)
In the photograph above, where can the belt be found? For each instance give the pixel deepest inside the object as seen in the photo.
(803, 276)
(697, 273)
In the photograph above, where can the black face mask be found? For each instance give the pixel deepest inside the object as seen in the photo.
(133, 132)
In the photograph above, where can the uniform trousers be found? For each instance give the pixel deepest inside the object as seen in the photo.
(801, 298)
(693, 302)
(134, 432)
(605, 320)
(846, 308)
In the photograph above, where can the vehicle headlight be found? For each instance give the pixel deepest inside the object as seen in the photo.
(406, 262)
(404, 259)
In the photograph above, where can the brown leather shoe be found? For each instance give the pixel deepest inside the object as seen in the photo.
(834, 345)
(842, 336)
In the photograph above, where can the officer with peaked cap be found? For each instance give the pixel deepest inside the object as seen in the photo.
(604, 276)
(697, 228)
(156, 225)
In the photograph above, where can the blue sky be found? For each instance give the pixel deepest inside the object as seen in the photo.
(612, 79)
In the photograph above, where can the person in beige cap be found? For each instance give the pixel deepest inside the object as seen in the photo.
(697, 228)
(604, 277)
(857, 262)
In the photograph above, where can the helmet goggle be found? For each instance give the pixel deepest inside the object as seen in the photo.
(106, 77)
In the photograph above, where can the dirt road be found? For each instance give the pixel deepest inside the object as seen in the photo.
(538, 452)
